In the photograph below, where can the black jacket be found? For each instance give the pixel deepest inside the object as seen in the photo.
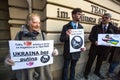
(64, 38)
(100, 50)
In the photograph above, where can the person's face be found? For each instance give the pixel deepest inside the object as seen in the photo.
(34, 23)
(77, 16)
(105, 19)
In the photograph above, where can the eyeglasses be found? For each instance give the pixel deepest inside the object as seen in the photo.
(105, 17)
(79, 13)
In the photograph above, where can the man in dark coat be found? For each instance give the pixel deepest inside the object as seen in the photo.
(115, 61)
(96, 50)
(70, 58)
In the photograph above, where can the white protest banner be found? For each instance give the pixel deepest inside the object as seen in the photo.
(109, 40)
(29, 54)
(76, 40)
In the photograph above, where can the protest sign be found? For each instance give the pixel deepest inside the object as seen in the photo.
(29, 54)
(76, 40)
(109, 40)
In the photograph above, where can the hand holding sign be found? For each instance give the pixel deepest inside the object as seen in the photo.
(83, 49)
(10, 62)
(68, 32)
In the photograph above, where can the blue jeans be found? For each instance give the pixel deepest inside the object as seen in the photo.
(112, 67)
(72, 69)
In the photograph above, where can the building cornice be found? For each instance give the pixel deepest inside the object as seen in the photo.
(117, 2)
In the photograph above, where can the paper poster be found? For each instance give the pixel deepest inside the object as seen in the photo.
(76, 40)
(109, 40)
(29, 54)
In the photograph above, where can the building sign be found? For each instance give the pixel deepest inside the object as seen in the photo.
(63, 14)
(59, 13)
(29, 54)
(98, 10)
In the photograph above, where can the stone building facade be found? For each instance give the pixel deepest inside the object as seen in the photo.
(54, 14)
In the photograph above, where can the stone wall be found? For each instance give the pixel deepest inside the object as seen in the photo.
(4, 36)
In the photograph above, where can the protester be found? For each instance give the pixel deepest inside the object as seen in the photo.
(115, 61)
(70, 58)
(101, 52)
(118, 74)
(31, 31)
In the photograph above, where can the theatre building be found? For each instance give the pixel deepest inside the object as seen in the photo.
(54, 14)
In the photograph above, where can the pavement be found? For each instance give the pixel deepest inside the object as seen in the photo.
(103, 71)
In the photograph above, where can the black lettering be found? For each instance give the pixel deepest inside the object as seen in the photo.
(62, 14)
(28, 59)
(30, 53)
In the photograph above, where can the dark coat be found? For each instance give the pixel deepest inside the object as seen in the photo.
(64, 38)
(93, 37)
(116, 55)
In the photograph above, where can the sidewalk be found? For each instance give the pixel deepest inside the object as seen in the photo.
(92, 76)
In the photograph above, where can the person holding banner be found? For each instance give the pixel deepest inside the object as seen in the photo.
(71, 57)
(115, 61)
(31, 31)
(101, 52)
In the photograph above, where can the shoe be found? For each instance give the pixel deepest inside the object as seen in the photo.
(111, 74)
(99, 75)
(85, 76)
(13, 79)
(118, 75)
